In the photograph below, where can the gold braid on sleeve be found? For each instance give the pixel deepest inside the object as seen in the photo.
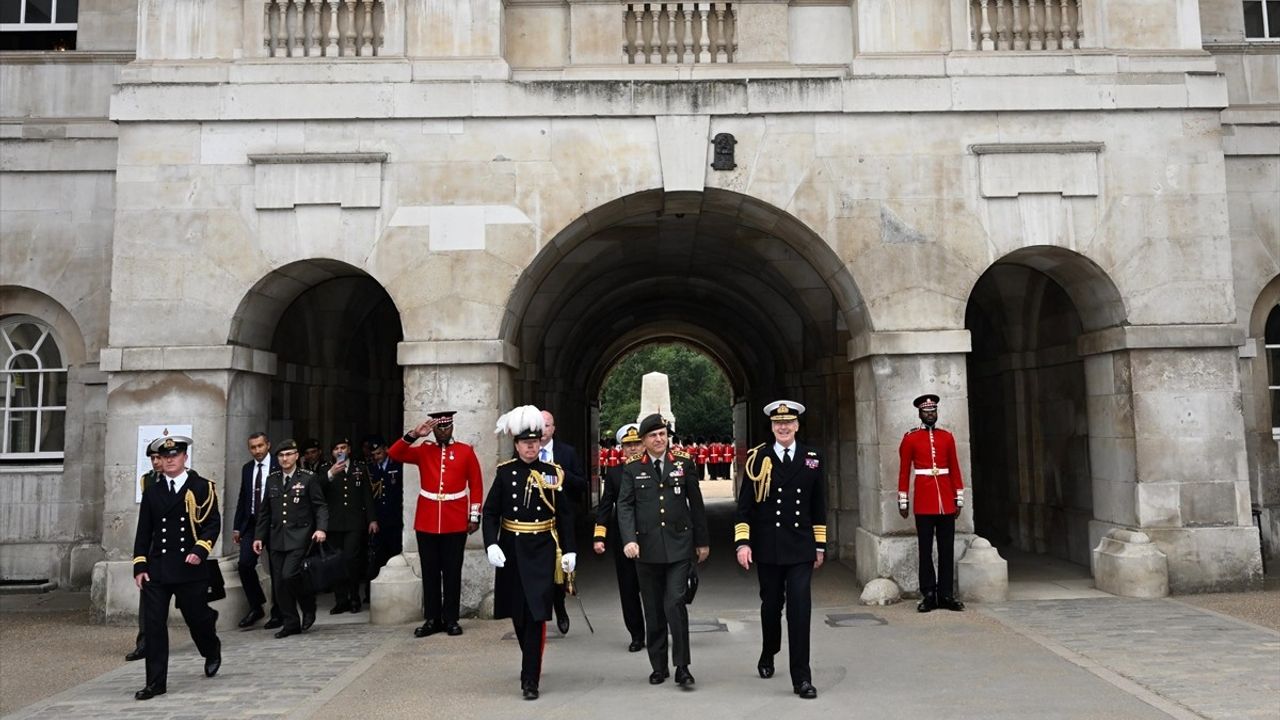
(762, 476)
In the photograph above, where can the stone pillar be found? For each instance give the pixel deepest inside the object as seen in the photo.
(1179, 388)
(475, 378)
(982, 575)
(1127, 563)
(199, 386)
(891, 369)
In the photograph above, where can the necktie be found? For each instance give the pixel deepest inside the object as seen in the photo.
(542, 455)
(257, 490)
(172, 488)
(657, 468)
(786, 456)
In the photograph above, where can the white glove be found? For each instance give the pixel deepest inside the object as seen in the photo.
(496, 556)
(959, 499)
(568, 562)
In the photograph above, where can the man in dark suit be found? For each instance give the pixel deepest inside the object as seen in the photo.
(664, 527)
(294, 515)
(178, 523)
(628, 438)
(575, 484)
(253, 487)
(352, 519)
(782, 526)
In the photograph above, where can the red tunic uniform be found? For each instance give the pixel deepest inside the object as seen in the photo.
(615, 456)
(728, 453)
(715, 454)
(451, 484)
(930, 456)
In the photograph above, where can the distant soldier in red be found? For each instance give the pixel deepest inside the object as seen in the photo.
(729, 457)
(928, 454)
(448, 511)
(715, 456)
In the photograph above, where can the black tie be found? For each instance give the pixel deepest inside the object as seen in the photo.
(657, 468)
(786, 456)
(172, 488)
(257, 490)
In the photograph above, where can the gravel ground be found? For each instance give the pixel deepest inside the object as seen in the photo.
(1261, 607)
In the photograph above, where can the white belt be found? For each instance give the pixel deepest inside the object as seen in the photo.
(447, 496)
(933, 471)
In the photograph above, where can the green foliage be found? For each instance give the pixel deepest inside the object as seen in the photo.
(700, 394)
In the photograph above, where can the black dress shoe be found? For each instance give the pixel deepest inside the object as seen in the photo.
(530, 691)
(212, 664)
(355, 605)
(764, 666)
(136, 654)
(273, 623)
(950, 603)
(683, 677)
(286, 632)
(453, 629)
(657, 676)
(149, 692)
(251, 617)
(428, 628)
(308, 619)
(340, 608)
(927, 603)
(806, 690)
(562, 624)
(635, 646)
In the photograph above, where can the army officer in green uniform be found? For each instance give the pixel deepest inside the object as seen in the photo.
(294, 515)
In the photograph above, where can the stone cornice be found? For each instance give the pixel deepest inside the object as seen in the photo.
(1017, 148)
(306, 158)
(178, 358)
(1155, 337)
(910, 342)
(458, 352)
(70, 57)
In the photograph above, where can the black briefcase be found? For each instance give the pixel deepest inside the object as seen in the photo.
(692, 588)
(323, 568)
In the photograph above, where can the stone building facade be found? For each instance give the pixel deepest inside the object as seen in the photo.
(317, 217)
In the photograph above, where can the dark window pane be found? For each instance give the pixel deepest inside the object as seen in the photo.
(1273, 362)
(54, 392)
(1275, 408)
(52, 431)
(39, 11)
(1273, 19)
(10, 11)
(48, 353)
(22, 390)
(22, 432)
(1253, 18)
(24, 336)
(67, 10)
(1272, 334)
(42, 40)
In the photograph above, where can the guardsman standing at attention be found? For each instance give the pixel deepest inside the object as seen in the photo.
(929, 454)
(352, 519)
(448, 511)
(663, 525)
(294, 515)
(178, 523)
(606, 530)
(782, 527)
(528, 535)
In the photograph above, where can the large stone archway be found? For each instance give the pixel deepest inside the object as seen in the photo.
(738, 279)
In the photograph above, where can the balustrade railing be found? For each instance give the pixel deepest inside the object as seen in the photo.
(679, 32)
(996, 25)
(323, 28)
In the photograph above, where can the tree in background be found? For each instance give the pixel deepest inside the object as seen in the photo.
(700, 394)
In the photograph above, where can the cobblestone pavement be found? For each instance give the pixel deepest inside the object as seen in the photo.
(1210, 664)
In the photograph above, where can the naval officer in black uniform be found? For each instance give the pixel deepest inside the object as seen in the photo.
(663, 526)
(178, 523)
(527, 525)
(606, 531)
(782, 527)
(294, 515)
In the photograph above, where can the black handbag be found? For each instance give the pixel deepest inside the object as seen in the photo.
(217, 585)
(322, 568)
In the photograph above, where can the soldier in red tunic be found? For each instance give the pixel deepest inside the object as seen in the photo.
(929, 454)
(448, 511)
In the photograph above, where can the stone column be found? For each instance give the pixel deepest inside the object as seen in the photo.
(475, 378)
(891, 369)
(1179, 388)
(199, 386)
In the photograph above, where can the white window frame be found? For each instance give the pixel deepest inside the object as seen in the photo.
(23, 26)
(1269, 34)
(1273, 383)
(6, 379)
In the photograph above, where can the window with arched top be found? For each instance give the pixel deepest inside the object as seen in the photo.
(33, 375)
(1271, 341)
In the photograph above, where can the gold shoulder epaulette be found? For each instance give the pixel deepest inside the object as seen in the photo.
(506, 462)
(304, 471)
(756, 448)
(637, 456)
(682, 454)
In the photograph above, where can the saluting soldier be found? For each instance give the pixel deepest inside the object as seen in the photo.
(928, 453)
(448, 510)
(352, 519)
(528, 536)
(294, 515)
(144, 481)
(606, 530)
(782, 527)
(663, 524)
(178, 523)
